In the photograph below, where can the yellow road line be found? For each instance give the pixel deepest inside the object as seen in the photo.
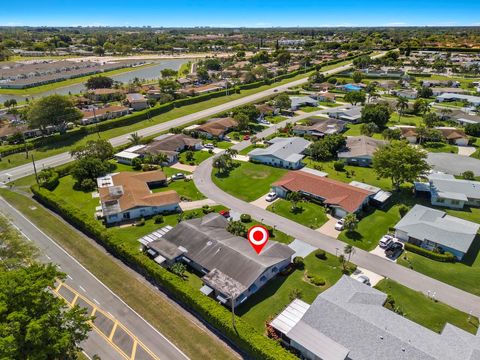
(116, 325)
(74, 300)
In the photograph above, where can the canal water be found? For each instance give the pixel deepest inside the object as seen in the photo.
(147, 73)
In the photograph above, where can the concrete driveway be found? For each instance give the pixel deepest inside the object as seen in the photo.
(466, 150)
(262, 203)
(329, 228)
(453, 163)
(184, 167)
(374, 277)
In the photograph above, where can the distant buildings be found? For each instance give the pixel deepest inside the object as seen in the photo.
(217, 128)
(359, 150)
(137, 101)
(470, 99)
(320, 127)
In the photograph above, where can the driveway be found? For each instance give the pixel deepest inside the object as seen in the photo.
(466, 150)
(262, 203)
(190, 205)
(329, 228)
(453, 163)
(183, 167)
(374, 278)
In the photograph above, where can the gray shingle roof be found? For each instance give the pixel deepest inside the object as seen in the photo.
(208, 244)
(351, 315)
(287, 149)
(447, 186)
(360, 146)
(425, 223)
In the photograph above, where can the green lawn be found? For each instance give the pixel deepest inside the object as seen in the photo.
(223, 144)
(275, 119)
(248, 181)
(308, 213)
(148, 302)
(371, 228)
(309, 108)
(406, 119)
(358, 173)
(440, 147)
(250, 148)
(198, 157)
(273, 298)
(277, 236)
(424, 311)
(82, 200)
(328, 104)
(185, 188)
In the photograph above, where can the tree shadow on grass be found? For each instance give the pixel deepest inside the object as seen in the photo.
(354, 236)
(267, 291)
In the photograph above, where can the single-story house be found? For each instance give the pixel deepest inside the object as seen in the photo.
(128, 155)
(171, 145)
(431, 228)
(445, 97)
(406, 93)
(378, 198)
(349, 322)
(217, 127)
(451, 135)
(230, 266)
(444, 83)
(265, 110)
(448, 191)
(353, 114)
(299, 101)
(320, 127)
(326, 97)
(94, 115)
(282, 152)
(127, 195)
(351, 87)
(441, 90)
(342, 198)
(464, 119)
(359, 150)
(104, 94)
(137, 101)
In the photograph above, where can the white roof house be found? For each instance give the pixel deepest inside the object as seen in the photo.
(474, 100)
(283, 152)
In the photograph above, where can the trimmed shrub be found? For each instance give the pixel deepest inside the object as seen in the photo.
(246, 218)
(158, 219)
(321, 254)
(339, 165)
(445, 257)
(244, 336)
(299, 262)
(316, 280)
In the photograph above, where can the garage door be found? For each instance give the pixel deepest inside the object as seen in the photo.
(340, 213)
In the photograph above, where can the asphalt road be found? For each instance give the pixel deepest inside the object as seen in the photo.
(63, 158)
(450, 295)
(86, 284)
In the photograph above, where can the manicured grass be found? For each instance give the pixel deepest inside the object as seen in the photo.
(223, 144)
(198, 157)
(308, 213)
(277, 236)
(60, 147)
(185, 188)
(82, 200)
(440, 147)
(152, 306)
(275, 119)
(424, 311)
(405, 119)
(309, 108)
(328, 104)
(274, 297)
(249, 148)
(464, 275)
(371, 228)
(351, 173)
(248, 181)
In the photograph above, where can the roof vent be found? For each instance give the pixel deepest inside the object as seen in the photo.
(381, 337)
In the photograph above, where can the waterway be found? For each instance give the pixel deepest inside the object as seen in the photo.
(151, 72)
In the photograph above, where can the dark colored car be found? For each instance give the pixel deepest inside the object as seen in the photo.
(394, 250)
(224, 213)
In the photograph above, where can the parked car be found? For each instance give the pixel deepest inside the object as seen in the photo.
(363, 279)
(271, 196)
(275, 90)
(209, 146)
(227, 138)
(178, 176)
(339, 225)
(394, 250)
(246, 137)
(225, 213)
(386, 241)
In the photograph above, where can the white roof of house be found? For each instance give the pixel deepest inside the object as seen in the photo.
(448, 187)
(450, 96)
(126, 155)
(425, 223)
(289, 317)
(287, 149)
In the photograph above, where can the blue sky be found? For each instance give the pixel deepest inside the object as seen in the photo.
(228, 13)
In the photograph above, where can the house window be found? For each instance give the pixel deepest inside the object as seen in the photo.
(263, 278)
(440, 200)
(455, 202)
(252, 288)
(274, 269)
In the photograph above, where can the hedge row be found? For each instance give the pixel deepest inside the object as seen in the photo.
(156, 110)
(246, 338)
(445, 257)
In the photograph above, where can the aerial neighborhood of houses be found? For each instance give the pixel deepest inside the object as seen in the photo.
(359, 165)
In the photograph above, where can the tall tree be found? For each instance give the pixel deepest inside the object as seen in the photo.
(401, 106)
(282, 101)
(400, 162)
(53, 110)
(99, 82)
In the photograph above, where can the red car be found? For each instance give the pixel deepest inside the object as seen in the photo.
(225, 213)
(246, 137)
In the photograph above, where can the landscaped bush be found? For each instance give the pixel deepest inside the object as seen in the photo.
(339, 165)
(158, 219)
(403, 210)
(316, 280)
(49, 179)
(246, 218)
(445, 257)
(299, 262)
(207, 209)
(244, 336)
(321, 254)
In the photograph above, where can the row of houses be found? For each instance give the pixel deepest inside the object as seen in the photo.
(450, 134)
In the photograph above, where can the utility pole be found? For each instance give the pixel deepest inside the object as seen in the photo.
(35, 170)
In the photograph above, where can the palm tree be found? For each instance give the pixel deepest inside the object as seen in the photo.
(161, 159)
(135, 139)
(349, 250)
(402, 105)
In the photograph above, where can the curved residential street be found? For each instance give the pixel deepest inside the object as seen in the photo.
(448, 294)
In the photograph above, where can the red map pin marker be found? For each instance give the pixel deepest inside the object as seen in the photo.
(258, 236)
